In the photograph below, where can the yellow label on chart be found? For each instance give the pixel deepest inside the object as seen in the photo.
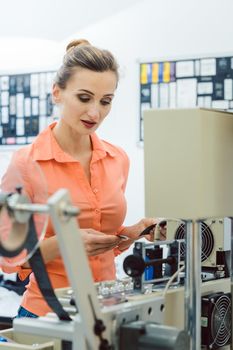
(166, 72)
(144, 73)
(155, 73)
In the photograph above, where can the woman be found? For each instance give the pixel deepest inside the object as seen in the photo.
(72, 156)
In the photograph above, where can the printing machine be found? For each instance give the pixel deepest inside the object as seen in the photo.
(170, 300)
(124, 320)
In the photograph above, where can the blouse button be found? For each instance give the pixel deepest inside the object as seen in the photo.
(95, 190)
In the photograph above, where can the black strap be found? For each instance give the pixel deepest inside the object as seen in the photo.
(38, 266)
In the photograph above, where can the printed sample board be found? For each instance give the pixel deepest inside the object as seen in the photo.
(186, 83)
(26, 106)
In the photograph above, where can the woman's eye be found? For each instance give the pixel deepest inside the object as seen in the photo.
(83, 98)
(105, 102)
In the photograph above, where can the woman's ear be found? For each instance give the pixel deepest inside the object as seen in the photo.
(56, 93)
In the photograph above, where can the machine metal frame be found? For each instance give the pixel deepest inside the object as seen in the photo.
(81, 330)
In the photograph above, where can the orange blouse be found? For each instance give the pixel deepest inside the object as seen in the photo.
(102, 201)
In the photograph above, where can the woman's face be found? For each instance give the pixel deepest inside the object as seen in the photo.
(86, 100)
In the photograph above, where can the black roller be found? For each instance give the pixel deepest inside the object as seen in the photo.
(134, 265)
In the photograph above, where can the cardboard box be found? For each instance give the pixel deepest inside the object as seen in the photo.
(188, 157)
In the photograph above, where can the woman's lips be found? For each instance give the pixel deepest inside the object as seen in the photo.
(88, 124)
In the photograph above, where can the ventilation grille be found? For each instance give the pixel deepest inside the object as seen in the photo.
(216, 320)
(207, 240)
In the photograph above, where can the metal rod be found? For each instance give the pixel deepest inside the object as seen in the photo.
(193, 284)
(188, 276)
(196, 286)
(68, 210)
(231, 274)
(31, 208)
(157, 262)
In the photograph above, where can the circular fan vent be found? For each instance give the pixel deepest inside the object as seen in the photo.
(221, 321)
(207, 240)
(180, 234)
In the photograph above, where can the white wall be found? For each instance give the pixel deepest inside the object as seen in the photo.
(19, 54)
(150, 30)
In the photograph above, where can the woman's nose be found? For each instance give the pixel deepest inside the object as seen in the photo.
(94, 112)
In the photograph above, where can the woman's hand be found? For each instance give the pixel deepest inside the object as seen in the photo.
(133, 232)
(97, 242)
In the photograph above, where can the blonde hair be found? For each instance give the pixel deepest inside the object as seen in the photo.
(80, 53)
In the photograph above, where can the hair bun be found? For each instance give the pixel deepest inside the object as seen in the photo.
(75, 43)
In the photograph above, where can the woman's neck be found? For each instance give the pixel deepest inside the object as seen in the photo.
(70, 141)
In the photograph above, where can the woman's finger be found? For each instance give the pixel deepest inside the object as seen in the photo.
(100, 250)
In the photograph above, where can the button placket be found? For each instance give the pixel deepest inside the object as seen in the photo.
(95, 180)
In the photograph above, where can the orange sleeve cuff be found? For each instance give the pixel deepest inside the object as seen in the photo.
(120, 229)
(117, 251)
(23, 273)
